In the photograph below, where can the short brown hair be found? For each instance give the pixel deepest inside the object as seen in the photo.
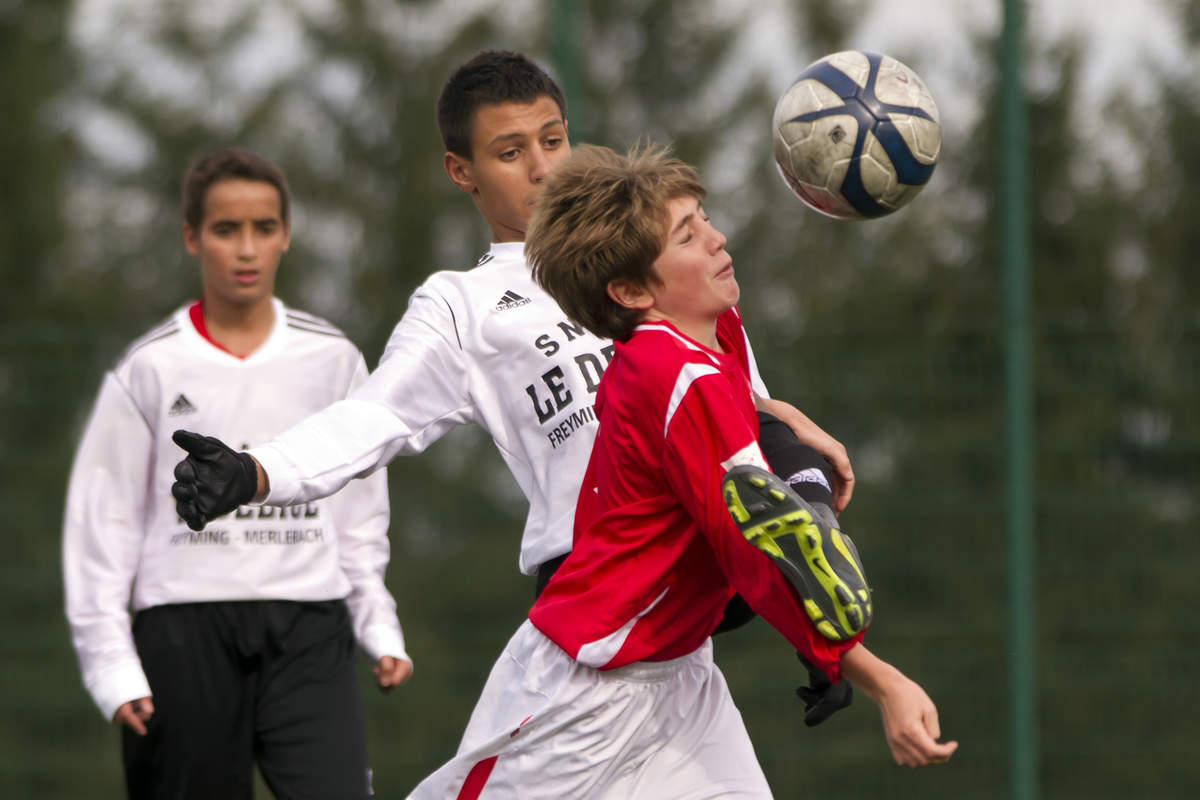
(229, 163)
(603, 217)
(490, 77)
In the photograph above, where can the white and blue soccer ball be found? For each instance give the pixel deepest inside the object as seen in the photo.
(856, 135)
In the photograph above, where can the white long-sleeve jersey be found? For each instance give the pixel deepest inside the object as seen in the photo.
(487, 346)
(123, 543)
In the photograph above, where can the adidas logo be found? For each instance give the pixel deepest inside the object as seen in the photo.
(180, 407)
(810, 475)
(511, 300)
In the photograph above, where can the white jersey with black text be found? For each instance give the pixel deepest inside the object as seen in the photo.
(123, 543)
(486, 346)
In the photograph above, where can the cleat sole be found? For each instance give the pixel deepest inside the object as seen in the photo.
(820, 562)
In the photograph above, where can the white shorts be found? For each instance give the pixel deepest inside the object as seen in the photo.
(549, 727)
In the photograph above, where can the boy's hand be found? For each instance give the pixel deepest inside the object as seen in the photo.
(390, 672)
(822, 698)
(212, 480)
(135, 714)
(910, 719)
(910, 723)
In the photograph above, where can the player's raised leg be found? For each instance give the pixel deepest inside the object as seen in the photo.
(820, 561)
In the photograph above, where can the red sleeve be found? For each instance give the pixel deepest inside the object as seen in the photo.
(706, 431)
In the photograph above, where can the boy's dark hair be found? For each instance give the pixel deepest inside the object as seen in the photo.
(229, 163)
(603, 217)
(490, 77)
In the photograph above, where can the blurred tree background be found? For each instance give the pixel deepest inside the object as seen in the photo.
(888, 333)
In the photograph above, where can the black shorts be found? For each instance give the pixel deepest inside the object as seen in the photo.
(236, 683)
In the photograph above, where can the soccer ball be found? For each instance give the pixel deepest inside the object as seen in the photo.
(857, 135)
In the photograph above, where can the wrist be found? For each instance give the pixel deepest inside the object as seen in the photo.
(248, 485)
(868, 672)
(262, 486)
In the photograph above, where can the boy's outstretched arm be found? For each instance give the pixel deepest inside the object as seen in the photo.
(910, 720)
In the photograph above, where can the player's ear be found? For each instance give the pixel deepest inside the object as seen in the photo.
(459, 170)
(191, 239)
(629, 294)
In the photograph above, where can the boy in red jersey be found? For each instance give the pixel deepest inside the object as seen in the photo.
(609, 690)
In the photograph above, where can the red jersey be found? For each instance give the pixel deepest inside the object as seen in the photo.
(656, 554)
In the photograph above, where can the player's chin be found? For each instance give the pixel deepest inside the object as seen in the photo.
(730, 291)
(246, 294)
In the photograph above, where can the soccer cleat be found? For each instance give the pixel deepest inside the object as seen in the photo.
(820, 561)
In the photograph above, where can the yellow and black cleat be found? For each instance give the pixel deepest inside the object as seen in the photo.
(819, 560)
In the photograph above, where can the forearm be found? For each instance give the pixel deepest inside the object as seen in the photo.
(867, 671)
(321, 454)
(97, 595)
(103, 640)
(361, 515)
(809, 433)
(373, 611)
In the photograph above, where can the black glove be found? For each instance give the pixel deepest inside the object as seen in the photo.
(212, 481)
(822, 698)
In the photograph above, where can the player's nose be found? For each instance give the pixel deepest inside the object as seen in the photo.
(540, 165)
(717, 239)
(247, 246)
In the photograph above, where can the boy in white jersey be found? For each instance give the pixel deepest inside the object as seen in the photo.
(241, 644)
(610, 690)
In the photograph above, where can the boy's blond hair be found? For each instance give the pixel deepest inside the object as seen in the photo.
(603, 217)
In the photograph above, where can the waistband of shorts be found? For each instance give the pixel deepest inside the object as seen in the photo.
(652, 671)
